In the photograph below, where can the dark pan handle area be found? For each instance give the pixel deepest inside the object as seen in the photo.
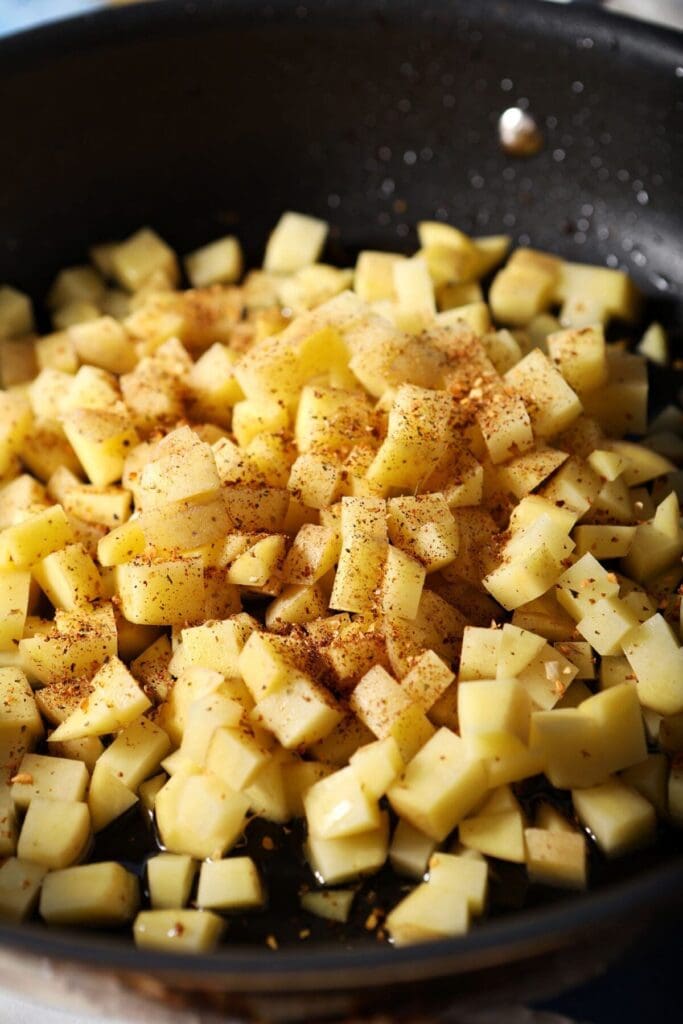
(203, 117)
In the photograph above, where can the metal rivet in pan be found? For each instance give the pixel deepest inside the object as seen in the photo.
(518, 132)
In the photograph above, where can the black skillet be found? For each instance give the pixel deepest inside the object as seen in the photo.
(203, 117)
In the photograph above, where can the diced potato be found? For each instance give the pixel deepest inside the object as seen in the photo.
(69, 578)
(19, 716)
(429, 912)
(16, 313)
(298, 714)
(428, 680)
(617, 713)
(39, 535)
(140, 257)
(232, 884)
(52, 778)
(363, 552)
(55, 833)
(657, 661)
(170, 877)
(551, 403)
(313, 553)
(425, 528)
(137, 752)
(649, 778)
(20, 883)
(219, 262)
(296, 241)
(9, 831)
(579, 354)
(87, 749)
(571, 745)
(507, 759)
(198, 815)
(467, 875)
(332, 904)
(158, 593)
(339, 806)
(556, 858)
(108, 797)
(149, 790)
(494, 705)
(336, 861)
(499, 834)
(618, 817)
(115, 700)
(178, 931)
(101, 438)
(439, 786)
(417, 431)
(236, 756)
(410, 850)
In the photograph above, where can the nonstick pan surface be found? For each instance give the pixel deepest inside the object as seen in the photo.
(199, 118)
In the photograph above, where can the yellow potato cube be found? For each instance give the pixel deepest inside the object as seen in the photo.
(657, 660)
(137, 752)
(178, 931)
(55, 833)
(505, 426)
(236, 756)
(219, 262)
(378, 700)
(108, 797)
(299, 713)
(594, 294)
(69, 578)
(498, 835)
(314, 551)
(363, 553)
(507, 759)
(480, 653)
(9, 830)
(410, 851)
(52, 778)
(87, 749)
(197, 814)
(439, 786)
(261, 565)
(161, 593)
(232, 884)
(424, 527)
(617, 714)
(466, 875)
(556, 858)
(619, 818)
(140, 257)
(20, 883)
(295, 242)
(607, 624)
(428, 680)
(429, 912)
(649, 778)
(571, 746)
(518, 293)
(579, 354)
(494, 705)
(19, 716)
(170, 877)
(14, 600)
(339, 806)
(28, 542)
(335, 861)
(115, 700)
(16, 313)
(551, 403)
(103, 342)
(101, 438)
(102, 895)
(182, 466)
(417, 432)
(332, 905)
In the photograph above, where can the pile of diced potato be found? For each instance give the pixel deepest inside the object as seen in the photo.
(351, 546)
